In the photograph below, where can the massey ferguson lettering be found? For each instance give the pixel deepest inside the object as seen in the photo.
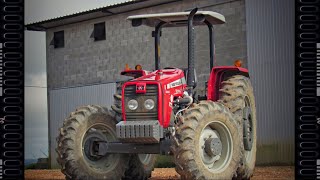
(176, 83)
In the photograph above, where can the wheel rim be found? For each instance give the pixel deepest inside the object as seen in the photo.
(221, 155)
(144, 158)
(248, 129)
(99, 132)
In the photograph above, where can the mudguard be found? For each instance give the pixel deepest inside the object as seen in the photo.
(219, 74)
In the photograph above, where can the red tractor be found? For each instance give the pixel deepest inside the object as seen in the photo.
(210, 137)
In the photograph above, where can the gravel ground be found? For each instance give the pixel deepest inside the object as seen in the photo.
(272, 172)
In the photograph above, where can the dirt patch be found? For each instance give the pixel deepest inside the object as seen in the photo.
(273, 172)
(43, 174)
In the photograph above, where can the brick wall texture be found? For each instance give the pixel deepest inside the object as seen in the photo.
(83, 61)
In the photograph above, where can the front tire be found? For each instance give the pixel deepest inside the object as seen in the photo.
(140, 167)
(85, 124)
(206, 143)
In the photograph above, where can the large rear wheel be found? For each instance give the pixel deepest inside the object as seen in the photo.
(206, 143)
(236, 93)
(87, 124)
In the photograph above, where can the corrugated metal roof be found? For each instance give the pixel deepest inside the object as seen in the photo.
(86, 11)
(111, 9)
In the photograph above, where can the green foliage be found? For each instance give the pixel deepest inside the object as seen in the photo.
(164, 162)
(31, 166)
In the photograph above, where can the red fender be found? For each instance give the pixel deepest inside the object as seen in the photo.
(218, 74)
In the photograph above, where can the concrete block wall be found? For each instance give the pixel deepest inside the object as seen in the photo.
(83, 61)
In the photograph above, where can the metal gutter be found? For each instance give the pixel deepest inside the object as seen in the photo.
(128, 2)
(38, 26)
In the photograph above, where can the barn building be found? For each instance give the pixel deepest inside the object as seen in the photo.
(87, 50)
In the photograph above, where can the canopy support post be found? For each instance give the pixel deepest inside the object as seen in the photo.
(157, 34)
(211, 44)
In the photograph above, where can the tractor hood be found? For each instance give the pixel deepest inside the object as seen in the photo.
(162, 86)
(164, 76)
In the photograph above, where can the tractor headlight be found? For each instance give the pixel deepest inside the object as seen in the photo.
(133, 104)
(149, 104)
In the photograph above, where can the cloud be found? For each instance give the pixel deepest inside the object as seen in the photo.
(39, 79)
(36, 118)
(35, 54)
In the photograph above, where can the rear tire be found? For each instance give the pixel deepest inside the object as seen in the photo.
(236, 93)
(139, 168)
(72, 145)
(200, 123)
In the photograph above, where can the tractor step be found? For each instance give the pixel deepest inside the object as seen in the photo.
(102, 148)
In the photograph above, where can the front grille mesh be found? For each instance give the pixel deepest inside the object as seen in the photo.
(141, 113)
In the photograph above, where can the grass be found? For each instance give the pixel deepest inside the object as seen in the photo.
(31, 166)
(164, 162)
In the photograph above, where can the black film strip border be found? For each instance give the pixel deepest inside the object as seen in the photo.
(307, 102)
(11, 89)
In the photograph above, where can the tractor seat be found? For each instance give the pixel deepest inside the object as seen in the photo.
(170, 68)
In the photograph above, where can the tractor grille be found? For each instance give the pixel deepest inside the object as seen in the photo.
(141, 113)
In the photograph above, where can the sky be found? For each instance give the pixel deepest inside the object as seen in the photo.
(36, 113)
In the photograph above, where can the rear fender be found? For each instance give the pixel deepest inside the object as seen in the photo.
(219, 74)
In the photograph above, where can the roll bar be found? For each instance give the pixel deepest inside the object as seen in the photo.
(191, 19)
